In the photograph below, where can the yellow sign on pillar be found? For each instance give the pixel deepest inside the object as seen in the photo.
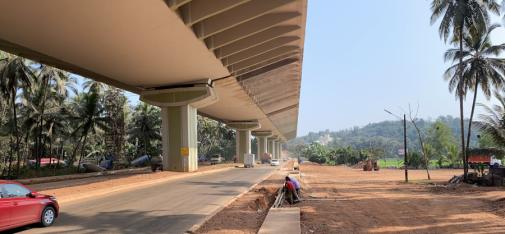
(185, 151)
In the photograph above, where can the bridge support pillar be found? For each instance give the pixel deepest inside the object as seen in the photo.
(262, 139)
(271, 146)
(243, 137)
(179, 107)
(279, 149)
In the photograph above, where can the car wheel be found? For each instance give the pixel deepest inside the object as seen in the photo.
(48, 216)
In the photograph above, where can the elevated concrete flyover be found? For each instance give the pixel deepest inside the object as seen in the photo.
(231, 60)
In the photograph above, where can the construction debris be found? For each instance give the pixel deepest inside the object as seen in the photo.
(279, 199)
(370, 165)
(456, 179)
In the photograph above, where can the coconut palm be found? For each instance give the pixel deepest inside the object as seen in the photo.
(493, 123)
(53, 87)
(481, 66)
(457, 16)
(145, 125)
(14, 75)
(88, 113)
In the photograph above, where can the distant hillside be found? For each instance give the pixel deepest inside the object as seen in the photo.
(387, 135)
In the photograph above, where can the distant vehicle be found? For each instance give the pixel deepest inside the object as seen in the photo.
(156, 163)
(490, 160)
(495, 162)
(265, 158)
(20, 206)
(202, 158)
(141, 161)
(46, 162)
(275, 162)
(216, 159)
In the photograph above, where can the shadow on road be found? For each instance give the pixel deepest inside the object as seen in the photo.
(125, 221)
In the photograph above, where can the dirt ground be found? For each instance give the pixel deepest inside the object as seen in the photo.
(344, 200)
(246, 214)
(71, 188)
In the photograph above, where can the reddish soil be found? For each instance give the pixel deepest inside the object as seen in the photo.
(344, 200)
(246, 214)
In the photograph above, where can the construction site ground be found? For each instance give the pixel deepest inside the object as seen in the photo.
(339, 199)
(246, 214)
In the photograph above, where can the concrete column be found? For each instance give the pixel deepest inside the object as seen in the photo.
(279, 149)
(179, 132)
(243, 145)
(262, 139)
(179, 122)
(272, 146)
(276, 150)
(243, 137)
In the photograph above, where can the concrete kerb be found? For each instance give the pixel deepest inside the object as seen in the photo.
(282, 221)
(195, 227)
(40, 180)
(138, 185)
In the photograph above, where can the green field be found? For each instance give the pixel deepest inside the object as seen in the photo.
(397, 163)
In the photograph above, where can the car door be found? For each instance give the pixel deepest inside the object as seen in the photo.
(5, 210)
(25, 209)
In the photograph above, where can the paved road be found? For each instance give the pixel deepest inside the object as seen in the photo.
(171, 207)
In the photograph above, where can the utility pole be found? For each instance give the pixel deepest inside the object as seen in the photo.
(405, 164)
(405, 157)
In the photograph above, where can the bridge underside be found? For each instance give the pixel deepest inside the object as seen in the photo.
(253, 49)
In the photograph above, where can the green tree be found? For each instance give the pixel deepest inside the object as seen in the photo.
(14, 75)
(145, 127)
(457, 17)
(215, 138)
(481, 66)
(89, 114)
(116, 106)
(440, 137)
(487, 141)
(492, 123)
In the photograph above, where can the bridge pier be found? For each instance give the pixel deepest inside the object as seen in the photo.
(179, 107)
(271, 146)
(262, 139)
(243, 137)
(279, 149)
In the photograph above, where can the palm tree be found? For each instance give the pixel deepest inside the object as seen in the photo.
(14, 74)
(457, 17)
(480, 67)
(493, 123)
(90, 118)
(145, 125)
(53, 84)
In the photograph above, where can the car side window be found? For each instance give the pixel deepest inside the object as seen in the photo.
(2, 193)
(14, 190)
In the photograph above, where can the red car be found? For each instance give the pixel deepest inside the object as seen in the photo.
(20, 206)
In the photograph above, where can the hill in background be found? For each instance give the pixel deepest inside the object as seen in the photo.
(387, 135)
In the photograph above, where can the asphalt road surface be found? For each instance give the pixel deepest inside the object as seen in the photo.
(171, 207)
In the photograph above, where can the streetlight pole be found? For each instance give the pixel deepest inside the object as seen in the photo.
(405, 158)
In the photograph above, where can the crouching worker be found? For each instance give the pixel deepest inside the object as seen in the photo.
(297, 186)
(290, 191)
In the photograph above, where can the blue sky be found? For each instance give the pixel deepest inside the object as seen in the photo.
(361, 57)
